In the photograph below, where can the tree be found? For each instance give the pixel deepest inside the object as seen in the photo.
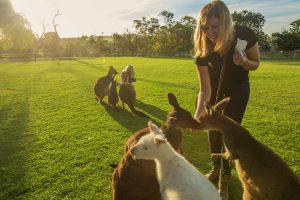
(189, 22)
(6, 11)
(174, 36)
(255, 21)
(126, 44)
(288, 40)
(51, 39)
(16, 36)
(168, 17)
(295, 26)
(146, 26)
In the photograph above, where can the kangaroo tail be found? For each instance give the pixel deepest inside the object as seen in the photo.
(137, 112)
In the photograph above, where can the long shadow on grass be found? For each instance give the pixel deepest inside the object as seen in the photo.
(126, 119)
(151, 109)
(100, 67)
(11, 65)
(13, 153)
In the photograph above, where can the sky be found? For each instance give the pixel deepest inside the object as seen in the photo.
(105, 17)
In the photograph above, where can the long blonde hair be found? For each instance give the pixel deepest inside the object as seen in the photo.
(203, 46)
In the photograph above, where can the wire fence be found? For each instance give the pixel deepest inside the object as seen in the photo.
(33, 57)
(280, 55)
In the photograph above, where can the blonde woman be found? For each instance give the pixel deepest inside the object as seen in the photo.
(216, 38)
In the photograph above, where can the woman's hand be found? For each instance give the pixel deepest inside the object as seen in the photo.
(238, 59)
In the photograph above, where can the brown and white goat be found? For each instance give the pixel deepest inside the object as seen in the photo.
(264, 175)
(136, 179)
(178, 179)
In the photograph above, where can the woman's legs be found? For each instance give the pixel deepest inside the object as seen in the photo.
(215, 144)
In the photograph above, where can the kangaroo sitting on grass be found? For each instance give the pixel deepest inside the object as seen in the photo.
(127, 92)
(178, 179)
(113, 97)
(136, 179)
(264, 175)
(101, 87)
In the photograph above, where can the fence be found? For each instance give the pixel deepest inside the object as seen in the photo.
(28, 57)
(280, 55)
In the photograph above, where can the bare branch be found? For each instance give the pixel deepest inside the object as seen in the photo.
(53, 21)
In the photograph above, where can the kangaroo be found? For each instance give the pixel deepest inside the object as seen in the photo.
(127, 93)
(264, 174)
(136, 179)
(113, 97)
(101, 87)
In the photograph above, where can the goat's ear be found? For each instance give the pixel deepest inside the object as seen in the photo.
(173, 100)
(221, 105)
(159, 140)
(153, 128)
(207, 108)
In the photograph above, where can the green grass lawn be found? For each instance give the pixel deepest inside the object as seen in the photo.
(56, 142)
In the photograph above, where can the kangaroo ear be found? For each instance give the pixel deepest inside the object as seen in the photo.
(159, 140)
(172, 120)
(173, 101)
(153, 128)
(207, 108)
(221, 105)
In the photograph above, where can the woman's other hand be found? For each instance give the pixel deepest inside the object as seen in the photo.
(238, 59)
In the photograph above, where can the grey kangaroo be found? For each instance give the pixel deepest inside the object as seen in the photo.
(113, 97)
(101, 87)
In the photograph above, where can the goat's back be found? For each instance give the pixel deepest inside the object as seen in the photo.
(181, 180)
(135, 179)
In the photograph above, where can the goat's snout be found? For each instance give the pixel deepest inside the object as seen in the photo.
(133, 151)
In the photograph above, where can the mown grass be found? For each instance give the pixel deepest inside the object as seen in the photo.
(56, 142)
